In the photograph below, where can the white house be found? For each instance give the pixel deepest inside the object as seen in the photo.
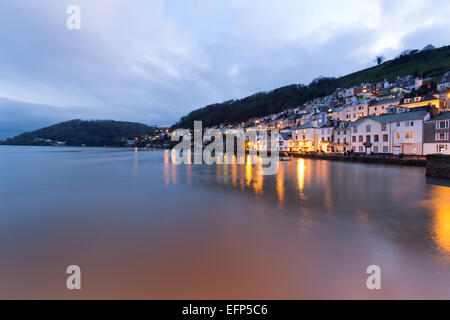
(398, 133)
(342, 137)
(305, 138)
(325, 137)
(443, 83)
(285, 141)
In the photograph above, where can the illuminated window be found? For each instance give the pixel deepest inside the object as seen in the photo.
(441, 136)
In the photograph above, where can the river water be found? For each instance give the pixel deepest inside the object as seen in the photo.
(141, 227)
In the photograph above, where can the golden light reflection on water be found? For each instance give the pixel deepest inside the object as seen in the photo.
(170, 168)
(301, 177)
(248, 171)
(280, 184)
(259, 181)
(440, 205)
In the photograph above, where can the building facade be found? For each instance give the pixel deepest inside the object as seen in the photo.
(437, 134)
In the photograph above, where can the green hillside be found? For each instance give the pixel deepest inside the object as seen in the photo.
(428, 63)
(89, 133)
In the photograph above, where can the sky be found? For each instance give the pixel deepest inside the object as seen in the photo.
(153, 61)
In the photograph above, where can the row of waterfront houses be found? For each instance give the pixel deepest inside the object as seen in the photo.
(409, 116)
(404, 117)
(416, 131)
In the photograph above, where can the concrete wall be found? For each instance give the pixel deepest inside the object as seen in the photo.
(438, 166)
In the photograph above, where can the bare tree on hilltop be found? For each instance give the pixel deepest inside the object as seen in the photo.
(379, 59)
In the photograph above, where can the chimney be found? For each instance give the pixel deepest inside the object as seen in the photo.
(432, 110)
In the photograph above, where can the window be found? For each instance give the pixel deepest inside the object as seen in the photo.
(442, 125)
(361, 149)
(417, 99)
(361, 138)
(345, 140)
(407, 100)
(398, 124)
(339, 133)
(375, 149)
(353, 148)
(368, 128)
(407, 124)
(397, 135)
(383, 127)
(329, 131)
(355, 129)
(338, 141)
(412, 123)
(408, 135)
(376, 138)
(441, 136)
(385, 138)
(385, 149)
(441, 148)
(353, 138)
(368, 138)
(323, 131)
(323, 139)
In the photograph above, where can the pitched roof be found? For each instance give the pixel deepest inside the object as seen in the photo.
(382, 102)
(395, 117)
(285, 135)
(428, 97)
(307, 125)
(445, 115)
(443, 80)
(355, 123)
(402, 116)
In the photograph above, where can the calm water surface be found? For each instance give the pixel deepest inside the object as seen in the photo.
(142, 227)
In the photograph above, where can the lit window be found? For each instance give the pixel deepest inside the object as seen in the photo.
(441, 136)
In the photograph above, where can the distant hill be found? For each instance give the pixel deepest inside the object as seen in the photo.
(427, 63)
(89, 133)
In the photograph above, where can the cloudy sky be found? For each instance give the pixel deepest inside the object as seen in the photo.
(153, 61)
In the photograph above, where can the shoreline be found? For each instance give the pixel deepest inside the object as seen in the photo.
(415, 161)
